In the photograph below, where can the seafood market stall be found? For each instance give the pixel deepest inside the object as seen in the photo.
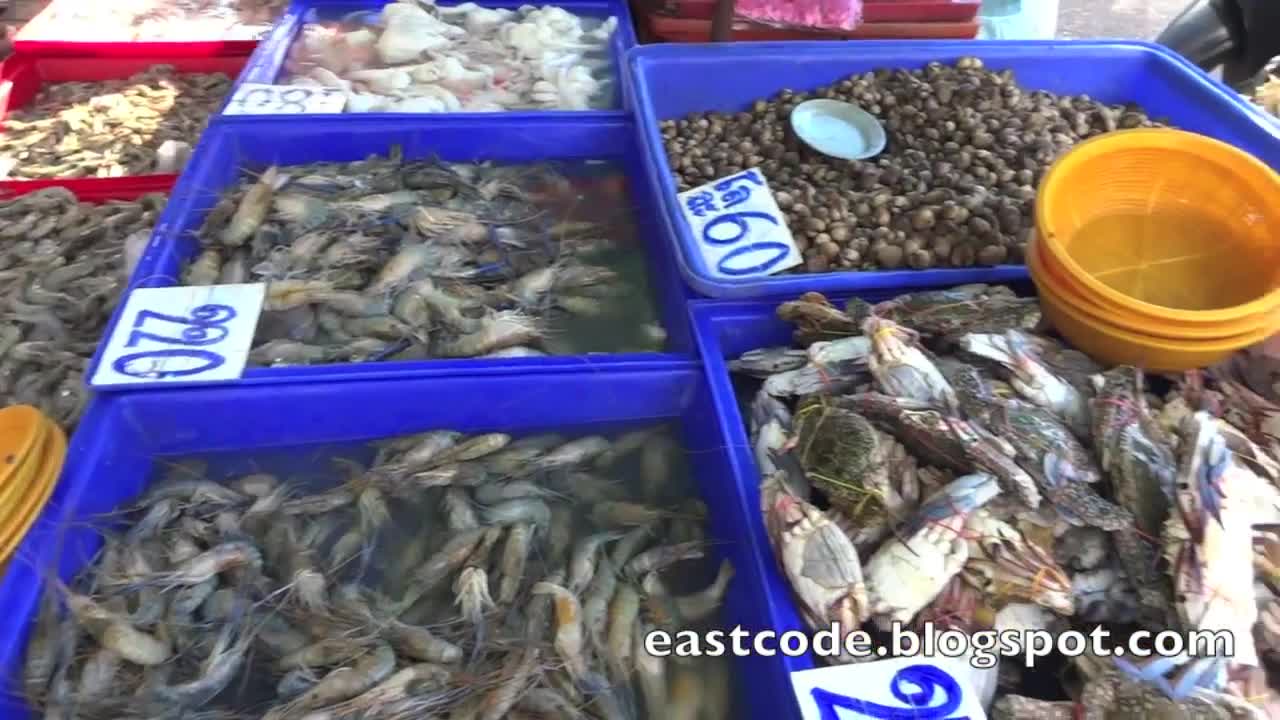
(471, 345)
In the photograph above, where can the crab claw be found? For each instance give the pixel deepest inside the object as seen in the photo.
(1180, 676)
(1204, 461)
(960, 498)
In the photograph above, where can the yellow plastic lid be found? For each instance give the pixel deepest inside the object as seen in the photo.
(22, 427)
(18, 518)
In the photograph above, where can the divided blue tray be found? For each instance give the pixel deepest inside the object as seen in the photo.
(234, 147)
(126, 438)
(671, 81)
(267, 61)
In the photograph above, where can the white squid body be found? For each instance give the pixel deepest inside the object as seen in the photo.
(902, 580)
(411, 31)
(383, 81)
(477, 20)
(1224, 599)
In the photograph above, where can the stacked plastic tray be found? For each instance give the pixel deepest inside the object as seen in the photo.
(126, 435)
(75, 28)
(689, 21)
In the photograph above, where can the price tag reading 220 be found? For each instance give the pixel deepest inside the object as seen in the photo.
(892, 689)
(738, 228)
(181, 334)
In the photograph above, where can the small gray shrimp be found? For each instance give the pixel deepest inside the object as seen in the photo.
(219, 668)
(342, 684)
(524, 510)
(663, 556)
(212, 562)
(582, 565)
(193, 492)
(575, 453)
(459, 513)
(514, 680)
(420, 643)
(497, 492)
(515, 555)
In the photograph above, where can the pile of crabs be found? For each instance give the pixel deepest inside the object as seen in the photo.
(939, 458)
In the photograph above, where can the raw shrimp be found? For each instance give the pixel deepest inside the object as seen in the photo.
(569, 635)
(341, 684)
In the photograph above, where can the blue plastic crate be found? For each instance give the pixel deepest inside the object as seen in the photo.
(267, 61)
(725, 329)
(126, 438)
(229, 149)
(671, 81)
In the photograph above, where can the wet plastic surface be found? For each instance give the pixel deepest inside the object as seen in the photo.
(125, 437)
(231, 148)
(873, 11)
(267, 63)
(21, 78)
(696, 30)
(672, 81)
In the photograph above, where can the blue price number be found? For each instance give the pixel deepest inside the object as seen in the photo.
(730, 263)
(926, 679)
(731, 195)
(146, 365)
(739, 222)
(206, 326)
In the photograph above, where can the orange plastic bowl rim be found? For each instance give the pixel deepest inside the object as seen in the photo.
(1058, 208)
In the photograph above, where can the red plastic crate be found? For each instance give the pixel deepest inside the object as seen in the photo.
(46, 35)
(873, 11)
(661, 28)
(21, 77)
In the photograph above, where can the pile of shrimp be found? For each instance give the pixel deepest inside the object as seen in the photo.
(64, 264)
(463, 577)
(417, 57)
(384, 259)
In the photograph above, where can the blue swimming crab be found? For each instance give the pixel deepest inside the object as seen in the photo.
(947, 441)
(967, 308)
(902, 368)
(1029, 362)
(1043, 446)
(819, 560)
(909, 570)
(1109, 694)
(868, 477)
(1137, 458)
(816, 319)
(1009, 568)
(1209, 547)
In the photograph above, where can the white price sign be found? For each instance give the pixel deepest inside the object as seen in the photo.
(891, 689)
(738, 227)
(260, 99)
(182, 334)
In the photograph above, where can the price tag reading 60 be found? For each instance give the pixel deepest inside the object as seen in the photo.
(738, 228)
(189, 334)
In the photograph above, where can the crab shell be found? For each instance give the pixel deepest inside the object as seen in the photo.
(958, 607)
(821, 563)
(905, 576)
(1006, 564)
(1214, 580)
